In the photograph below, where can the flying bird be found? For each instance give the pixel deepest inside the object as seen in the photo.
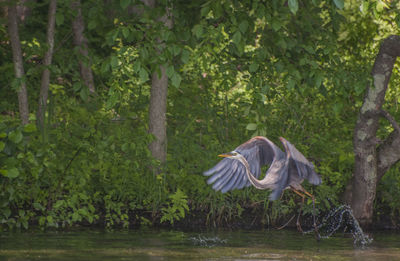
(242, 167)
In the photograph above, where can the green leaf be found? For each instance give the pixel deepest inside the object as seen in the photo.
(15, 136)
(84, 93)
(58, 204)
(243, 26)
(176, 80)
(185, 56)
(50, 219)
(143, 75)
(253, 67)
(276, 25)
(198, 30)
(30, 127)
(12, 173)
(236, 38)
(293, 6)
(251, 126)
(204, 11)
(114, 62)
(170, 71)
(38, 206)
(176, 50)
(59, 18)
(137, 66)
(339, 4)
(397, 20)
(124, 3)
(92, 24)
(125, 32)
(364, 7)
(2, 145)
(291, 83)
(6, 212)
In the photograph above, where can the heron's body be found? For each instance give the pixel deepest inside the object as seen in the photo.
(242, 167)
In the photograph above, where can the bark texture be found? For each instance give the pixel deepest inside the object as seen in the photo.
(44, 88)
(158, 100)
(371, 160)
(18, 63)
(80, 41)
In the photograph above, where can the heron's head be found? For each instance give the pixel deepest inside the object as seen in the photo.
(233, 155)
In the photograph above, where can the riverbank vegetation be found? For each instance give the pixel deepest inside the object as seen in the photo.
(89, 136)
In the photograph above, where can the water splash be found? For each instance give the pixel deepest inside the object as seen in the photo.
(207, 241)
(342, 218)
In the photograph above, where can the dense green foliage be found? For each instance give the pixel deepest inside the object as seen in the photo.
(296, 69)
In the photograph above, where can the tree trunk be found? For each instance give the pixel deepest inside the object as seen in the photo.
(371, 162)
(23, 11)
(18, 64)
(44, 88)
(80, 42)
(158, 100)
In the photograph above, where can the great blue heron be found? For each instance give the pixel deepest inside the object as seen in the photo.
(242, 167)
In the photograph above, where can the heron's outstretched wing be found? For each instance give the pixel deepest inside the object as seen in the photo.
(305, 168)
(230, 174)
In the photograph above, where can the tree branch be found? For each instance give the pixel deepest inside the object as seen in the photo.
(391, 120)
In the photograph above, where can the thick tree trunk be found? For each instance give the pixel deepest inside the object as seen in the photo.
(44, 88)
(158, 101)
(18, 64)
(80, 42)
(371, 162)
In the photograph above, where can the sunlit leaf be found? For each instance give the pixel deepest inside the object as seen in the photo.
(12, 173)
(364, 7)
(293, 6)
(251, 126)
(339, 4)
(30, 127)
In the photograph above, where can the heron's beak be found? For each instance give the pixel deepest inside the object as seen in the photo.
(225, 155)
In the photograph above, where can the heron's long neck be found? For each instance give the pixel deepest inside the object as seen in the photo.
(259, 184)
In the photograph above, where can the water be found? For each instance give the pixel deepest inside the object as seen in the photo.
(152, 244)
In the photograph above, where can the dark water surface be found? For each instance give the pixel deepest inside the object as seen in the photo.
(151, 244)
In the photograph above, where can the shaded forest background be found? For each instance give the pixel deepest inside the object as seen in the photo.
(115, 108)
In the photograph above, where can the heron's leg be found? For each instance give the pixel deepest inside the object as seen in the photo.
(301, 208)
(317, 235)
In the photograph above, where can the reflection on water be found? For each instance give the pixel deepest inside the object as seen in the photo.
(152, 244)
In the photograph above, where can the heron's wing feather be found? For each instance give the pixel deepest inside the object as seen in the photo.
(305, 168)
(230, 174)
